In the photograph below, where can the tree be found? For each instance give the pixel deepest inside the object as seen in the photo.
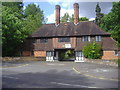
(68, 18)
(83, 19)
(65, 18)
(92, 50)
(12, 32)
(16, 8)
(111, 22)
(34, 18)
(16, 26)
(72, 18)
(99, 15)
(0, 28)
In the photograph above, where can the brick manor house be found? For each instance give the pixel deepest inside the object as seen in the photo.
(52, 39)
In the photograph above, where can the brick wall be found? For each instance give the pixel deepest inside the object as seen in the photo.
(57, 44)
(40, 53)
(119, 55)
(38, 46)
(26, 53)
(109, 55)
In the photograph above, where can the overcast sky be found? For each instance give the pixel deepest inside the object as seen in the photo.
(86, 9)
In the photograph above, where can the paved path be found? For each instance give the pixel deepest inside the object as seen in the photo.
(58, 75)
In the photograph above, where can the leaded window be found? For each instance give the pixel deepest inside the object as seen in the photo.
(86, 38)
(64, 39)
(98, 38)
(43, 40)
(79, 54)
(49, 53)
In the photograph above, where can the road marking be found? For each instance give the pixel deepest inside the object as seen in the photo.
(10, 77)
(55, 64)
(66, 84)
(6, 67)
(93, 76)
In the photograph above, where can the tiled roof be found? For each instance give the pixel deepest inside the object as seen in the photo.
(69, 29)
(109, 44)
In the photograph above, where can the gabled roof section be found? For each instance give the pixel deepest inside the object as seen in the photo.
(69, 29)
(109, 44)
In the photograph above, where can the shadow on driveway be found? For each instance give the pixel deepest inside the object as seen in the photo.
(49, 79)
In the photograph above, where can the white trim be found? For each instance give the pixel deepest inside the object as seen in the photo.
(79, 61)
(76, 24)
(49, 58)
(88, 38)
(56, 25)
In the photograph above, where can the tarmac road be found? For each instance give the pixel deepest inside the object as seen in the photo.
(39, 74)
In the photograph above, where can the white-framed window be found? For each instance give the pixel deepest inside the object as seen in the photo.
(79, 54)
(116, 52)
(49, 53)
(98, 38)
(86, 38)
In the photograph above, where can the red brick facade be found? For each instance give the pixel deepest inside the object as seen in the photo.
(76, 32)
(26, 53)
(58, 45)
(109, 55)
(40, 53)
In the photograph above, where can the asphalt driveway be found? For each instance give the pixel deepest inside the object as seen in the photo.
(40, 74)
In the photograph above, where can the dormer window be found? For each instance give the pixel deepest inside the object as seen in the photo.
(98, 38)
(86, 38)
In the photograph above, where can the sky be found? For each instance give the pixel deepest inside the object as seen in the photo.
(86, 9)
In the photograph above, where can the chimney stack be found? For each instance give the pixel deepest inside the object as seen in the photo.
(57, 15)
(76, 13)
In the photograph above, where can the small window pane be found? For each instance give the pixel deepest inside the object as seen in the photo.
(65, 39)
(44, 40)
(79, 54)
(50, 53)
(98, 38)
(86, 38)
(34, 41)
(116, 53)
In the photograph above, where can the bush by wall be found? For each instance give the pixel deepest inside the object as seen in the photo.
(92, 50)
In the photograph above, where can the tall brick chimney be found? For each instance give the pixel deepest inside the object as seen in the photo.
(76, 13)
(57, 15)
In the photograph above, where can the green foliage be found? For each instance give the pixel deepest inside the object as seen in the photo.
(16, 27)
(99, 15)
(119, 62)
(34, 10)
(68, 18)
(65, 18)
(72, 18)
(83, 19)
(92, 50)
(0, 29)
(33, 18)
(67, 54)
(111, 22)
(12, 32)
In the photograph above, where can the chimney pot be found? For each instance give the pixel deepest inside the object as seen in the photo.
(57, 14)
(76, 13)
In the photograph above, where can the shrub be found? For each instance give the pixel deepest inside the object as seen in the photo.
(92, 50)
